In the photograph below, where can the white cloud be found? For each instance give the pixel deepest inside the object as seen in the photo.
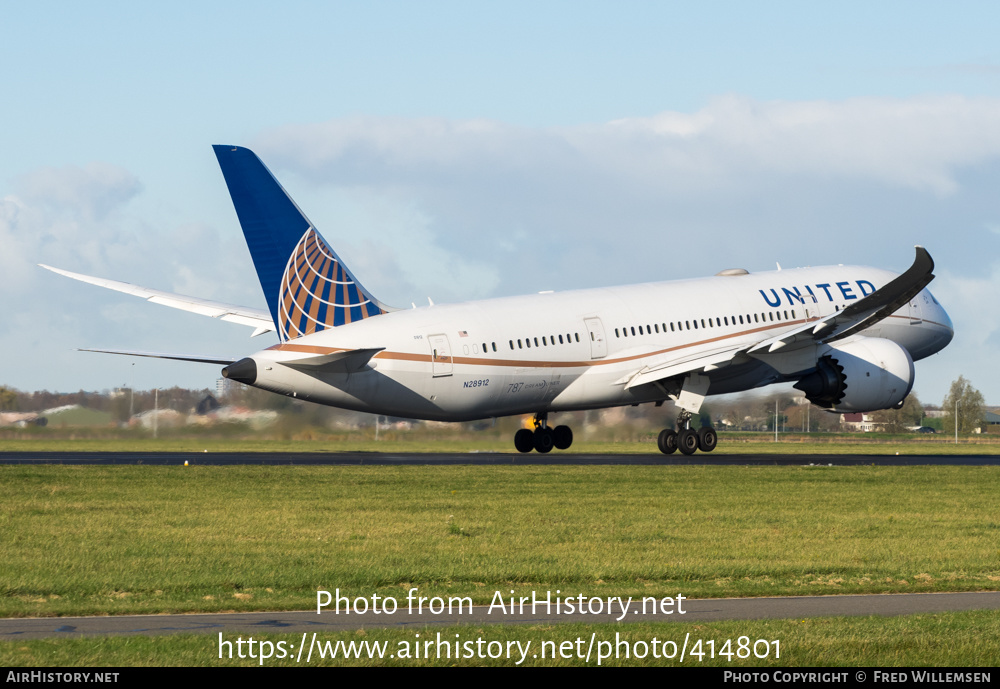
(918, 143)
(92, 191)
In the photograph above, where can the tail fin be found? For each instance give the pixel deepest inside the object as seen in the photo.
(308, 288)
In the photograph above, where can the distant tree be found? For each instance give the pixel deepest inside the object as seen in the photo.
(899, 420)
(971, 407)
(8, 399)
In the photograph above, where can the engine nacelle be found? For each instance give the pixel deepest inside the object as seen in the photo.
(865, 374)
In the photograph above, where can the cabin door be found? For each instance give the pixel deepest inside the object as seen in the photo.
(598, 345)
(441, 361)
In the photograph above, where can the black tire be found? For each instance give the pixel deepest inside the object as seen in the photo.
(524, 440)
(687, 441)
(544, 442)
(707, 439)
(667, 442)
(562, 436)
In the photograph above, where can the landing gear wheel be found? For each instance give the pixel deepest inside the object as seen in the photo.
(524, 440)
(562, 436)
(707, 439)
(543, 440)
(687, 441)
(667, 442)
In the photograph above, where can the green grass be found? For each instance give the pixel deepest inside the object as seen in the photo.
(963, 639)
(100, 540)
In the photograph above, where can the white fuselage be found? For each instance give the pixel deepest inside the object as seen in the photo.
(574, 350)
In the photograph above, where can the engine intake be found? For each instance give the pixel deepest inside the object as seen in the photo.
(865, 374)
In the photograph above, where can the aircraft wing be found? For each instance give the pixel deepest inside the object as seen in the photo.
(678, 367)
(258, 319)
(862, 314)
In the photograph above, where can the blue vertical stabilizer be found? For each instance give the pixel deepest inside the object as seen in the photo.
(306, 285)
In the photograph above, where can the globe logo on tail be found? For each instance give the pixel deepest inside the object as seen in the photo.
(317, 292)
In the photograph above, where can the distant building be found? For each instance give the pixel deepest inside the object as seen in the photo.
(224, 386)
(207, 405)
(991, 423)
(858, 422)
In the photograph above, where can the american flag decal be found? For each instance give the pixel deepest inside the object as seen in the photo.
(317, 292)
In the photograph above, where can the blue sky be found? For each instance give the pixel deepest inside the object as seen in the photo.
(466, 150)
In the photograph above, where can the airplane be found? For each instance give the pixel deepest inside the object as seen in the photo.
(846, 336)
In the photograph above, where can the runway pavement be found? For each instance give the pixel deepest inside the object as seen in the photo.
(483, 458)
(701, 610)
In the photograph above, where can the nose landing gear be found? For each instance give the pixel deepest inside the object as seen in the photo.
(543, 438)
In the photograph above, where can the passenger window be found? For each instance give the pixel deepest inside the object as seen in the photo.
(495, 346)
(577, 336)
(561, 340)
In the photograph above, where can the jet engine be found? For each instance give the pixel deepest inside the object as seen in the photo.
(864, 374)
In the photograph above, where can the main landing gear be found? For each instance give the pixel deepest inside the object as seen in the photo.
(543, 438)
(685, 438)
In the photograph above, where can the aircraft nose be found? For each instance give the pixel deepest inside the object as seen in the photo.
(947, 332)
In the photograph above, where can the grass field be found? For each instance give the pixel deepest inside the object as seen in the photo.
(100, 539)
(966, 639)
(116, 539)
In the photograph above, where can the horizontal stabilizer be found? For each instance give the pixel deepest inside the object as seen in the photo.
(258, 319)
(347, 361)
(199, 358)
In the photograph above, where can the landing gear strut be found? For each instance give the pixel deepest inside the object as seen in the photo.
(543, 438)
(685, 438)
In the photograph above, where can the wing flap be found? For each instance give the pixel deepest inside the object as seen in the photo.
(698, 364)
